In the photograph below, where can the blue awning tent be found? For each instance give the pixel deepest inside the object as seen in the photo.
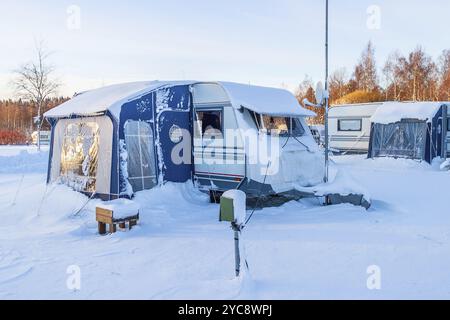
(409, 130)
(129, 119)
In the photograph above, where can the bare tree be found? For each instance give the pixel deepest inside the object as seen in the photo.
(365, 73)
(306, 91)
(34, 83)
(338, 84)
(444, 70)
(391, 76)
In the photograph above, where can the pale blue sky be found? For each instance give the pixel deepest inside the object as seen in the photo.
(266, 42)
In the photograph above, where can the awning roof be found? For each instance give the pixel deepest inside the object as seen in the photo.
(110, 98)
(392, 112)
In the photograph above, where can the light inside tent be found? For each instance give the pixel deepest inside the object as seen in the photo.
(79, 156)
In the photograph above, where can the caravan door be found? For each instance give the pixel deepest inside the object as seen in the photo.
(219, 164)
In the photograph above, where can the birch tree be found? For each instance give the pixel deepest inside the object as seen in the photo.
(34, 82)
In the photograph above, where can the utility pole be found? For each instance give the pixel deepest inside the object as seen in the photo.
(327, 99)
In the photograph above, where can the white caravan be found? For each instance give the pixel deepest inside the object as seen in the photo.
(262, 136)
(350, 127)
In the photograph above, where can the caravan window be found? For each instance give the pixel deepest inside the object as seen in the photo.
(210, 122)
(141, 155)
(281, 126)
(350, 125)
(79, 156)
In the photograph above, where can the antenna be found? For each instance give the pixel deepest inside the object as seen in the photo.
(327, 98)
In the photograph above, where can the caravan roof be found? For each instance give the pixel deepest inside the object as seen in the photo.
(393, 112)
(354, 110)
(263, 100)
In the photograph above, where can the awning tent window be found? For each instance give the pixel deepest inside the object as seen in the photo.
(406, 139)
(139, 141)
(79, 156)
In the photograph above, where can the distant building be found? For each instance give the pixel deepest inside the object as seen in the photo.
(45, 138)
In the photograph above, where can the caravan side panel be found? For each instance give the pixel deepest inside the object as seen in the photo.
(350, 127)
(219, 160)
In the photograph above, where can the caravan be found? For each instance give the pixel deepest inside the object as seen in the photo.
(350, 127)
(118, 140)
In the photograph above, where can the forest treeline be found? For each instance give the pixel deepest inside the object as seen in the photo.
(17, 119)
(412, 77)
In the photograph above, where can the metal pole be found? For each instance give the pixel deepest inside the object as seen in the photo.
(237, 254)
(445, 128)
(327, 98)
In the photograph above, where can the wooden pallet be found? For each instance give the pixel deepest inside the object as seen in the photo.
(106, 217)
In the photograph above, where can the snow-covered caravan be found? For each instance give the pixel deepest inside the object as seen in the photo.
(350, 127)
(414, 130)
(118, 140)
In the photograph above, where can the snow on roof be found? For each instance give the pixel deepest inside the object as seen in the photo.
(263, 100)
(392, 112)
(111, 98)
(354, 110)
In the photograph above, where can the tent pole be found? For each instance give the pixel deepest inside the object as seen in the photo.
(326, 178)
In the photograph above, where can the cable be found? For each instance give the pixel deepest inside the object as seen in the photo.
(358, 140)
(289, 138)
(307, 148)
(259, 197)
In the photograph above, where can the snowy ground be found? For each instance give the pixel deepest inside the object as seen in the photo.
(181, 251)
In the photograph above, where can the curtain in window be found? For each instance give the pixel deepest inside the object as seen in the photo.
(405, 139)
(141, 155)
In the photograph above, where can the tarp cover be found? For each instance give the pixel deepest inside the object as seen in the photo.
(405, 139)
(269, 101)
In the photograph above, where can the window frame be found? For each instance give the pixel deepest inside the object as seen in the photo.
(339, 125)
(259, 121)
(209, 109)
(67, 173)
